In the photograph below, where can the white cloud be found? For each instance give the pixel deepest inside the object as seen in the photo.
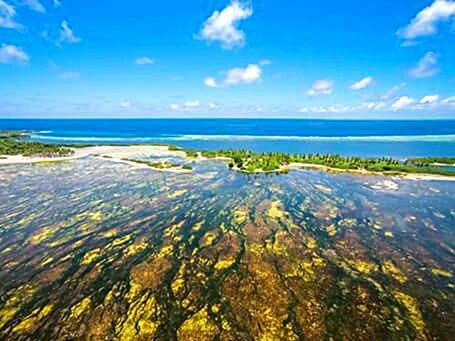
(426, 21)
(409, 43)
(192, 104)
(67, 35)
(449, 101)
(251, 74)
(264, 62)
(394, 91)
(34, 5)
(12, 54)
(341, 108)
(312, 109)
(7, 14)
(426, 67)
(210, 82)
(321, 87)
(429, 102)
(223, 26)
(374, 105)
(70, 75)
(337, 108)
(125, 104)
(174, 106)
(362, 84)
(144, 61)
(402, 103)
(213, 106)
(57, 3)
(429, 99)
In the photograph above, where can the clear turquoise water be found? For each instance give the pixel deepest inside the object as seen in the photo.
(394, 138)
(326, 256)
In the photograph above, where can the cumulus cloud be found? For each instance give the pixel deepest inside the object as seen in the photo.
(67, 35)
(210, 82)
(394, 91)
(125, 104)
(402, 103)
(251, 74)
(144, 61)
(321, 87)
(341, 108)
(7, 14)
(70, 75)
(222, 26)
(188, 105)
(426, 22)
(192, 104)
(12, 54)
(374, 105)
(449, 101)
(336, 108)
(426, 67)
(362, 84)
(429, 99)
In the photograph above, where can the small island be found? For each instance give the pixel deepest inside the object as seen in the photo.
(161, 165)
(431, 161)
(252, 162)
(12, 143)
(15, 144)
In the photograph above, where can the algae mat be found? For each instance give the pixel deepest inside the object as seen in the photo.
(96, 250)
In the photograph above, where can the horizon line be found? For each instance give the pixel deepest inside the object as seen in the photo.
(230, 118)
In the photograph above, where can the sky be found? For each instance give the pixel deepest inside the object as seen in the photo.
(227, 58)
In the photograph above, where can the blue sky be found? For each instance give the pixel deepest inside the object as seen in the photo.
(323, 59)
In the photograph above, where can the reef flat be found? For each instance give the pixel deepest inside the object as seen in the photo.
(14, 149)
(94, 249)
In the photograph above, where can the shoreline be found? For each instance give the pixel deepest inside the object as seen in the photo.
(408, 176)
(439, 164)
(119, 154)
(110, 153)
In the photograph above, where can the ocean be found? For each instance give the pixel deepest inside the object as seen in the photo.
(368, 138)
(101, 249)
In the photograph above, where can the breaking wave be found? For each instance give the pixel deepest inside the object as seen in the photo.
(188, 137)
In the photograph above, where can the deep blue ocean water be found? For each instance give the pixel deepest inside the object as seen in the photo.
(375, 138)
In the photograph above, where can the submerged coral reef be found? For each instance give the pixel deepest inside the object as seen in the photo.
(96, 250)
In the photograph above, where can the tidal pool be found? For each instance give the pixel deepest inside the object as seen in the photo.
(96, 250)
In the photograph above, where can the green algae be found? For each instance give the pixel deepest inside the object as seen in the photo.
(118, 253)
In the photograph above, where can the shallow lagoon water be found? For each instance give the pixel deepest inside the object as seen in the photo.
(366, 138)
(92, 249)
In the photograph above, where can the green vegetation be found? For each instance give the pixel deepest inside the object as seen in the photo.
(5, 134)
(160, 165)
(192, 153)
(173, 147)
(428, 161)
(248, 161)
(9, 146)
